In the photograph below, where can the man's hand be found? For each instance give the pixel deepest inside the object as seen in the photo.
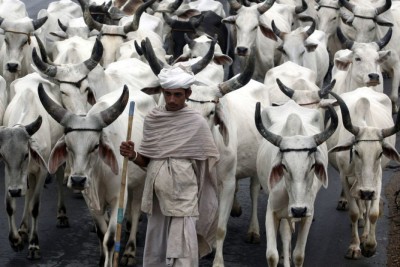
(127, 149)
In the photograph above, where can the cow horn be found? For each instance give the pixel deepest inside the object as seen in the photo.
(312, 27)
(37, 23)
(1, 20)
(174, 6)
(277, 31)
(271, 137)
(385, 40)
(346, 42)
(95, 58)
(112, 113)
(56, 111)
(346, 115)
(265, 6)
(202, 63)
(289, 92)
(385, 7)
(87, 17)
(243, 78)
(42, 50)
(131, 27)
(168, 19)
(392, 130)
(302, 8)
(323, 136)
(155, 64)
(139, 50)
(347, 5)
(45, 68)
(195, 21)
(324, 91)
(62, 26)
(191, 43)
(34, 126)
(235, 5)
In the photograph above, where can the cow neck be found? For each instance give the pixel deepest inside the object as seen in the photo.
(27, 34)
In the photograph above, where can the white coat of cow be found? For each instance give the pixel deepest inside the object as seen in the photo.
(291, 166)
(360, 148)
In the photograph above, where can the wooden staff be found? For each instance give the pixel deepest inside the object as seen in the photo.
(120, 216)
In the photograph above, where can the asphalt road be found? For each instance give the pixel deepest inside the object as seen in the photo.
(77, 246)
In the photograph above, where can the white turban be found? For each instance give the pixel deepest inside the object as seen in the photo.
(176, 77)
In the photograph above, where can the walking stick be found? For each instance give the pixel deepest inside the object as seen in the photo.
(120, 216)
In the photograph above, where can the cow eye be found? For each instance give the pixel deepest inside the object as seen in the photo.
(280, 48)
(26, 156)
(312, 166)
(334, 18)
(63, 93)
(356, 153)
(95, 147)
(380, 155)
(284, 167)
(357, 59)
(210, 114)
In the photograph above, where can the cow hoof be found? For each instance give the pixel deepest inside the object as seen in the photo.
(24, 235)
(16, 243)
(34, 253)
(353, 254)
(236, 212)
(128, 260)
(253, 238)
(62, 222)
(342, 205)
(367, 251)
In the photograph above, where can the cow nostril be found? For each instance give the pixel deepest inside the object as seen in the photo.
(299, 212)
(12, 67)
(15, 192)
(241, 50)
(367, 195)
(78, 181)
(374, 76)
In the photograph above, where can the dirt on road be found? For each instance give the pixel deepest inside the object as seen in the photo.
(393, 249)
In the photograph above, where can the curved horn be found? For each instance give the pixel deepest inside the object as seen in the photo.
(174, 6)
(110, 114)
(235, 5)
(346, 42)
(168, 19)
(323, 136)
(265, 6)
(289, 92)
(347, 5)
(345, 115)
(138, 48)
(42, 50)
(312, 27)
(189, 41)
(62, 26)
(155, 64)
(202, 63)
(385, 7)
(277, 32)
(131, 27)
(37, 23)
(302, 8)
(56, 111)
(324, 91)
(385, 40)
(271, 137)
(243, 78)
(45, 68)
(87, 17)
(1, 20)
(34, 126)
(95, 58)
(392, 130)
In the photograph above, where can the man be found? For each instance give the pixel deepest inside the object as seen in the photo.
(180, 193)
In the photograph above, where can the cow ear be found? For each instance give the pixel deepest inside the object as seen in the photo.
(60, 34)
(276, 174)
(268, 32)
(383, 56)
(35, 153)
(342, 63)
(221, 59)
(390, 152)
(229, 20)
(107, 154)
(152, 90)
(347, 145)
(221, 120)
(321, 171)
(311, 47)
(58, 155)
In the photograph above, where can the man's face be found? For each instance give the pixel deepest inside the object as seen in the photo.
(175, 98)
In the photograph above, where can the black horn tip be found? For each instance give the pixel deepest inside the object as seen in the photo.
(286, 90)
(62, 26)
(33, 127)
(324, 91)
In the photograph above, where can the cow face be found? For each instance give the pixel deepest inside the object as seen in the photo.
(328, 16)
(112, 38)
(365, 59)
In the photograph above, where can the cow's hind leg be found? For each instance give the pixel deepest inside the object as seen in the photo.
(253, 234)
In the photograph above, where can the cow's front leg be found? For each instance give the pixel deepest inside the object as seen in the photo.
(299, 251)
(109, 237)
(16, 241)
(286, 237)
(253, 233)
(101, 229)
(62, 218)
(354, 251)
(369, 244)
(271, 227)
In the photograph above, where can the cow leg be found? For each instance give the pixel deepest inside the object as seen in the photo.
(101, 229)
(286, 237)
(134, 200)
(253, 234)
(354, 251)
(271, 227)
(342, 203)
(109, 237)
(227, 191)
(62, 218)
(369, 244)
(236, 210)
(299, 250)
(16, 241)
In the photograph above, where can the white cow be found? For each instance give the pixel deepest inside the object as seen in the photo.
(227, 107)
(291, 167)
(91, 143)
(26, 140)
(361, 147)
(306, 47)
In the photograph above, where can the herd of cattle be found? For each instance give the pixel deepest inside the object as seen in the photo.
(306, 91)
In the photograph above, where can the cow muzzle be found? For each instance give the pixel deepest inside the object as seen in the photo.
(242, 51)
(373, 79)
(299, 212)
(78, 182)
(15, 192)
(367, 194)
(12, 67)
